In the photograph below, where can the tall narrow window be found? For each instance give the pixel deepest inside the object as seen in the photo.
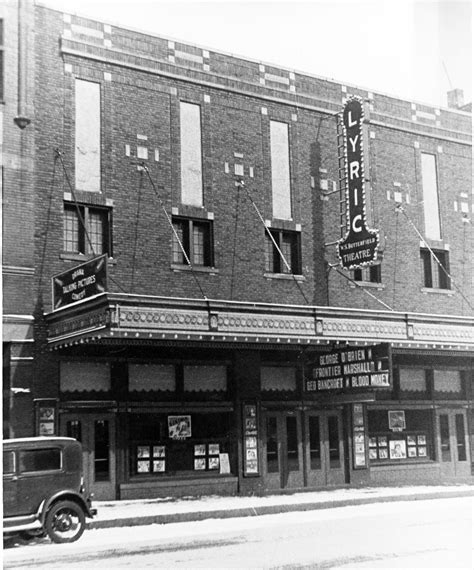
(430, 196)
(102, 450)
(461, 437)
(289, 244)
(435, 271)
(191, 154)
(333, 437)
(272, 445)
(445, 437)
(196, 239)
(314, 442)
(87, 142)
(280, 162)
(97, 222)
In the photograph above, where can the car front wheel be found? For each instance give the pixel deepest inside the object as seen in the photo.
(65, 522)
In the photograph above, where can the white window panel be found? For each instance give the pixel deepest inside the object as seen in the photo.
(447, 381)
(430, 196)
(280, 166)
(412, 380)
(191, 155)
(87, 141)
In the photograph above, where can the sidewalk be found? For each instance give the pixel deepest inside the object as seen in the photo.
(169, 510)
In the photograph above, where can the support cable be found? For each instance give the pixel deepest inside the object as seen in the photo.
(170, 222)
(363, 288)
(241, 184)
(59, 155)
(400, 208)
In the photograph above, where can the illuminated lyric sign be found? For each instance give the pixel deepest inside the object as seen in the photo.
(80, 282)
(350, 369)
(360, 244)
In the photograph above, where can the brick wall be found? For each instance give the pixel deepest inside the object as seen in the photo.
(144, 78)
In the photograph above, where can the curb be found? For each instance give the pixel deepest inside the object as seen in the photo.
(266, 510)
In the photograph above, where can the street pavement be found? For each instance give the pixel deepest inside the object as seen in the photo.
(172, 510)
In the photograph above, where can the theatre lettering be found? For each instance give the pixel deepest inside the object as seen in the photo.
(359, 245)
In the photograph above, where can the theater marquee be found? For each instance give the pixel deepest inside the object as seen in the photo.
(360, 244)
(351, 369)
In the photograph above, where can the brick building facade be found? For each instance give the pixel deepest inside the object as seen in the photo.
(193, 365)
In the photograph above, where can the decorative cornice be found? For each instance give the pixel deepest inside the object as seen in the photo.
(149, 319)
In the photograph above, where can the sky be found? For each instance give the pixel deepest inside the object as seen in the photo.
(413, 49)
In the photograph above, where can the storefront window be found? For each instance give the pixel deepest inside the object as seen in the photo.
(272, 445)
(412, 441)
(101, 448)
(461, 437)
(179, 443)
(448, 384)
(314, 442)
(333, 436)
(413, 384)
(292, 443)
(445, 439)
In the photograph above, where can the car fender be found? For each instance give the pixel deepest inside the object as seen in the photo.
(66, 495)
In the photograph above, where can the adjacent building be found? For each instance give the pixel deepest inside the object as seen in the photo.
(184, 286)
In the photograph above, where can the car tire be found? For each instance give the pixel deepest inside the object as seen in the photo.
(65, 522)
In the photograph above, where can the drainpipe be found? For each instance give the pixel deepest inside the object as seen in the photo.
(21, 120)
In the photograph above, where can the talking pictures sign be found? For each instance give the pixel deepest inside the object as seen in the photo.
(360, 244)
(80, 282)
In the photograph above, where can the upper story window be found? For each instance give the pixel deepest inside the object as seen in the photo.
(97, 223)
(196, 239)
(430, 196)
(289, 244)
(280, 165)
(191, 154)
(87, 136)
(435, 275)
(372, 274)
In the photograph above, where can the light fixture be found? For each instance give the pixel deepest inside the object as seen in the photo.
(21, 121)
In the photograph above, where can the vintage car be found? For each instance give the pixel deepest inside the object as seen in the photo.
(43, 488)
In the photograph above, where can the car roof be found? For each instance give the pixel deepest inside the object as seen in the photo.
(38, 441)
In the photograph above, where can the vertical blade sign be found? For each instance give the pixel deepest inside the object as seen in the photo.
(359, 246)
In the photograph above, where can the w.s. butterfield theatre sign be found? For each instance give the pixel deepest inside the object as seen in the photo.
(80, 282)
(360, 244)
(350, 369)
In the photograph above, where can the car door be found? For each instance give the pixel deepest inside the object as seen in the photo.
(10, 483)
(39, 476)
